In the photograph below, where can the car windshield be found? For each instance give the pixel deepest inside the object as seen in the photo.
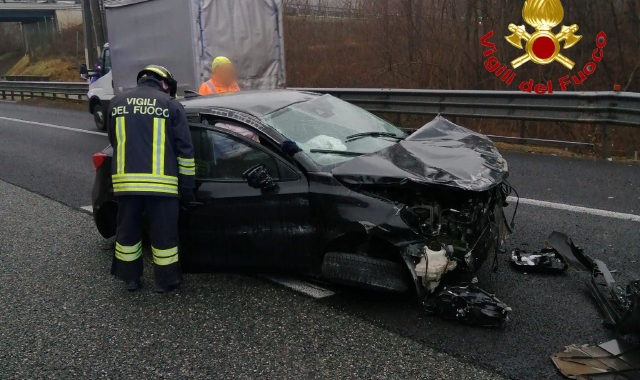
(331, 131)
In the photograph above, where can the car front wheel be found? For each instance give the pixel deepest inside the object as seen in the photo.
(98, 117)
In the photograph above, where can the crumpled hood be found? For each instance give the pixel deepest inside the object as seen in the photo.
(440, 153)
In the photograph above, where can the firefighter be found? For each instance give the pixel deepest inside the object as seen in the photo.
(153, 172)
(223, 78)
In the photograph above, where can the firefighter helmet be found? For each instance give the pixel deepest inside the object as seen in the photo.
(161, 74)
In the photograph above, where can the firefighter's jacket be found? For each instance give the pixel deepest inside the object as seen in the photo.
(152, 148)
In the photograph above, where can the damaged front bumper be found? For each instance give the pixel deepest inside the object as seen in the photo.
(448, 185)
(443, 275)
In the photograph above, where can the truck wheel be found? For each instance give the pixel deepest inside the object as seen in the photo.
(98, 117)
(365, 272)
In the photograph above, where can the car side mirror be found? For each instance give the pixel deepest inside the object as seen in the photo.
(258, 177)
(84, 73)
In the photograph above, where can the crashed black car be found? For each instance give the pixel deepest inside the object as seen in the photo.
(362, 203)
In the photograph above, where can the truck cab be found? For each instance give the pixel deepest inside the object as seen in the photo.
(101, 87)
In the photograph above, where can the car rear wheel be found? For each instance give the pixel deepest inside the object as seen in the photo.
(365, 272)
(98, 117)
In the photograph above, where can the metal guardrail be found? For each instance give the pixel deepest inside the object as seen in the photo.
(605, 109)
(24, 78)
(319, 11)
(56, 90)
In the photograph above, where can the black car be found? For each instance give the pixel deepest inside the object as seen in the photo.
(362, 203)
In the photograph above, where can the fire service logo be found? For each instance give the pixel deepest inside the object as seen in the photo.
(542, 47)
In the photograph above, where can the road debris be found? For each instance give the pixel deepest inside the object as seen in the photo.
(548, 260)
(469, 304)
(613, 360)
(620, 305)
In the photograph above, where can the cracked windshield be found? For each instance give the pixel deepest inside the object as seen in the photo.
(332, 131)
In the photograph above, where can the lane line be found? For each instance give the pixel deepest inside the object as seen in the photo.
(87, 208)
(584, 210)
(299, 286)
(52, 126)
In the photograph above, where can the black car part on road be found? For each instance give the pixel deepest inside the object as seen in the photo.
(469, 304)
(548, 260)
(620, 306)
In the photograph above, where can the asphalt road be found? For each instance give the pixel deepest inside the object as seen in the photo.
(64, 315)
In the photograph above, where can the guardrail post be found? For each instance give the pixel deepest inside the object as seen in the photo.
(4, 96)
(21, 95)
(606, 148)
(523, 129)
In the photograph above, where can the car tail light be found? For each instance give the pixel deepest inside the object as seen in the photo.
(99, 159)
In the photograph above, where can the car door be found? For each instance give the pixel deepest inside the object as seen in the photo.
(236, 226)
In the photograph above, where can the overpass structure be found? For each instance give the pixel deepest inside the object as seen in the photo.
(30, 12)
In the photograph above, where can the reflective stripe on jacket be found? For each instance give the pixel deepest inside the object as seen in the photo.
(210, 87)
(152, 148)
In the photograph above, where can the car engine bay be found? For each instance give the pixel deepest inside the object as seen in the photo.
(461, 230)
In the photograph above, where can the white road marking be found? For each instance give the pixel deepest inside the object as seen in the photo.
(87, 208)
(52, 126)
(584, 210)
(300, 286)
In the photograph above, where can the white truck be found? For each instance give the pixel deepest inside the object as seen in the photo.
(185, 36)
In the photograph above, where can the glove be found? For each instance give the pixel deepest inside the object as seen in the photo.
(290, 147)
(187, 196)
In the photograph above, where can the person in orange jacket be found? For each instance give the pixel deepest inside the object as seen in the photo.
(223, 78)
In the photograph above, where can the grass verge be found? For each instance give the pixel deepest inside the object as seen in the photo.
(57, 69)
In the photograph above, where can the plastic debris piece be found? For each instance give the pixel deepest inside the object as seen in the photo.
(468, 304)
(548, 260)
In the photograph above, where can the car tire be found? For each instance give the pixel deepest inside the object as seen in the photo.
(365, 272)
(98, 117)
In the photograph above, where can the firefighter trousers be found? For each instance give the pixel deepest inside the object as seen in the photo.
(162, 214)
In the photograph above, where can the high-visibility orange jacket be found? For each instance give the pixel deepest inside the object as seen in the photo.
(212, 87)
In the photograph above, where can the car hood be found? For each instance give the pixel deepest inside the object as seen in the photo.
(440, 153)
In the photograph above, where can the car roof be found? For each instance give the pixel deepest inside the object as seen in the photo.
(256, 103)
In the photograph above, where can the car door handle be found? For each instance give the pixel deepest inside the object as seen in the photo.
(196, 204)
(191, 206)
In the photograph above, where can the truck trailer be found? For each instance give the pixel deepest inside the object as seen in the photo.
(185, 36)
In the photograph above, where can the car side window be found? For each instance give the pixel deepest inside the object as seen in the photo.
(107, 61)
(222, 157)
